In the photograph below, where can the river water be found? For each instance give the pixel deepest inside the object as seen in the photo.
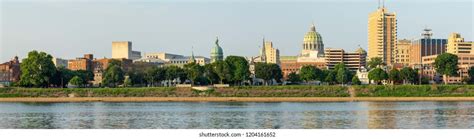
(238, 115)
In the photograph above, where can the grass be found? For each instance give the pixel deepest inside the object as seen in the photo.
(251, 91)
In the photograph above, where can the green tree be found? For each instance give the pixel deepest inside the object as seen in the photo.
(394, 76)
(377, 75)
(342, 73)
(447, 65)
(239, 68)
(86, 76)
(37, 70)
(294, 78)
(77, 81)
(308, 73)
(471, 75)
(375, 62)
(113, 76)
(194, 72)
(62, 76)
(330, 77)
(355, 80)
(223, 71)
(268, 72)
(407, 74)
(127, 82)
(155, 75)
(210, 74)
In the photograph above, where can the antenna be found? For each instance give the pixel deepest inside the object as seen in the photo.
(383, 3)
(378, 6)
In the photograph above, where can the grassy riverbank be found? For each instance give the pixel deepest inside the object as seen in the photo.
(248, 91)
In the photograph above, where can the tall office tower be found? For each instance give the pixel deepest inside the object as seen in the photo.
(426, 46)
(123, 49)
(270, 54)
(312, 42)
(382, 35)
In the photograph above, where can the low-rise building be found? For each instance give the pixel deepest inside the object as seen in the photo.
(81, 63)
(10, 72)
(353, 60)
(167, 59)
(363, 75)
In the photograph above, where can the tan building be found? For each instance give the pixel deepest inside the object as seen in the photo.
(167, 59)
(10, 72)
(353, 60)
(382, 35)
(426, 46)
(123, 49)
(457, 45)
(81, 63)
(402, 52)
(271, 54)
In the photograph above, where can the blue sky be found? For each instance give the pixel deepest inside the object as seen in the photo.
(70, 28)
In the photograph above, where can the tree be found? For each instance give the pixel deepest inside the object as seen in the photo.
(394, 76)
(239, 68)
(355, 80)
(127, 82)
(155, 75)
(375, 62)
(223, 71)
(447, 65)
(294, 78)
(276, 72)
(377, 75)
(113, 76)
(136, 77)
(77, 81)
(308, 73)
(330, 77)
(470, 72)
(268, 72)
(62, 76)
(210, 74)
(407, 74)
(37, 70)
(342, 73)
(86, 75)
(194, 72)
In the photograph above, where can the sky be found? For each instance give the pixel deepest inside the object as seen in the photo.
(70, 28)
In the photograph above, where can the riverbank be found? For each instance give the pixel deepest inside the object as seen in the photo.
(234, 99)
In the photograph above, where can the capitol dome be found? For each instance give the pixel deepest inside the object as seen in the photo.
(216, 52)
(313, 42)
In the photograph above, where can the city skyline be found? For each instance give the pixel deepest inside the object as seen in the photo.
(239, 31)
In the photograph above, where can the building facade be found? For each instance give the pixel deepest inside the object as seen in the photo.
(312, 42)
(271, 54)
(289, 64)
(382, 35)
(81, 63)
(123, 49)
(216, 52)
(426, 46)
(457, 45)
(167, 59)
(58, 62)
(353, 60)
(402, 52)
(10, 72)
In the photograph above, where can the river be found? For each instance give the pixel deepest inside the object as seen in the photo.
(238, 115)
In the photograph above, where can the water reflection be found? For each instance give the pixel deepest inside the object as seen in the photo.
(170, 115)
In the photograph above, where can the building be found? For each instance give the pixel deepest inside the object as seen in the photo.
(363, 75)
(167, 59)
(289, 64)
(457, 45)
(312, 42)
(58, 62)
(353, 60)
(402, 52)
(81, 63)
(123, 49)
(382, 35)
(271, 54)
(10, 72)
(426, 46)
(216, 52)
(100, 65)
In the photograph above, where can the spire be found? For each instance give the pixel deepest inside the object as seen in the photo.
(313, 28)
(263, 55)
(192, 59)
(217, 41)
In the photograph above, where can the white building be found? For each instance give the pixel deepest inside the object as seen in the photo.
(363, 75)
(172, 59)
(123, 49)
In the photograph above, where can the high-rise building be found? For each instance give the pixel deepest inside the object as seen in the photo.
(353, 60)
(123, 49)
(382, 35)
(312, 42)
(270, 54)
(402, 52)
(426, 46)
(457, 45)
(216, 52)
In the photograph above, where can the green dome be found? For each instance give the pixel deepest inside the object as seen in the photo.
(313, 42)
(360, 50)
(313, 37)
(216, 52)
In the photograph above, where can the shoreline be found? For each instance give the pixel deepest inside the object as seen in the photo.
(231, 99)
